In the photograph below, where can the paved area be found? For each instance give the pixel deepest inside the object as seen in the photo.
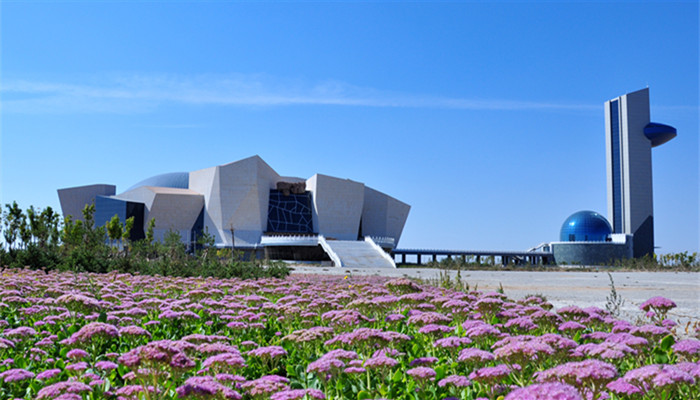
(565, 288)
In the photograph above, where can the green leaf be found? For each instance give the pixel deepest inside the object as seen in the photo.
(577, 336)
(102, 317)
(667, 342)
(411, 385)
(123, 370)
(290, 371)
(440, 372)
(660, 356)
(495, 320)
(397, 376)
(364, 395)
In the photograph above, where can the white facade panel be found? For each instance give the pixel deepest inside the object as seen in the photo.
(383, 215)
(236, 197)
(337, 206)
(172, 209)
(176, 211)
(73, 200)
(608, 163)
(638, 178)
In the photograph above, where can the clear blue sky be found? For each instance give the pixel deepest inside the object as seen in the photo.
(487, 118)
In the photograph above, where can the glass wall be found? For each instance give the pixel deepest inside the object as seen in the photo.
(290, 213)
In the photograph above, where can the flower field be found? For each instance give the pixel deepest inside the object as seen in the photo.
(119, 336)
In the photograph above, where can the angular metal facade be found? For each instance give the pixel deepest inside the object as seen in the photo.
(239, 202)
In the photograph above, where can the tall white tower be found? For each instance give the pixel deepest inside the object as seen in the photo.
(629, 137)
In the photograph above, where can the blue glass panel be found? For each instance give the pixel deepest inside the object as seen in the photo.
(616, 167)
(289, 214)
(107, 207)
(585, 226)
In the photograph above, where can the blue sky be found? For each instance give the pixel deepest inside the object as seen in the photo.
(487, 118)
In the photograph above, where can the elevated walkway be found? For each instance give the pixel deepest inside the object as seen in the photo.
(356, 253)
(476, 256)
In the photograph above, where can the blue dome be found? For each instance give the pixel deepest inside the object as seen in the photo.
(178, 180)
(659, 133)
(585, 226)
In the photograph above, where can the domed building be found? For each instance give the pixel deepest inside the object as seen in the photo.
(587, 238)
(585, 226)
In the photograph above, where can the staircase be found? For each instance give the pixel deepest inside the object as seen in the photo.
(357, 254)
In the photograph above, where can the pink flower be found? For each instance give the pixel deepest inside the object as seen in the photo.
(591, 373)
(205, 386)
(571, 326)
(15, 375)
(558, 391)
(491, 375)
(380, 362)
(266, 385)
(474, 355)
(422, 373)
(48, 374)
(687, 347)
(452, 342)
(79, 366)
(455, 380)
(296, 394)
(77, 354)
(423, 361)
(270, 352)
(106, 365)
(224, 361)
(57, 389)
(658, 303)
(656, 376)
(92, 331)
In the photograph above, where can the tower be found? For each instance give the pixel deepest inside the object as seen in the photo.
(629, 138)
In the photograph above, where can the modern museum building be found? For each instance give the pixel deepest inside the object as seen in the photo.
(248, 206)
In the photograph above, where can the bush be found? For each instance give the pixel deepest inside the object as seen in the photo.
(80, 246)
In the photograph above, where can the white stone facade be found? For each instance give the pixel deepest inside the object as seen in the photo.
(172, 209)
(231, 202)
(337, 206)
(74, 199)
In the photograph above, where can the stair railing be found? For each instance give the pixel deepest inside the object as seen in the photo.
(331, 253)
(381, 251)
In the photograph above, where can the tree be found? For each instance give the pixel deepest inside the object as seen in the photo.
(52, 220)
(12, 220)
(34, 224)
(114, 229)
(94, 237)
(126, 234)
(149, 231)
(72, 234)
(25, 231)
(205, 241)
